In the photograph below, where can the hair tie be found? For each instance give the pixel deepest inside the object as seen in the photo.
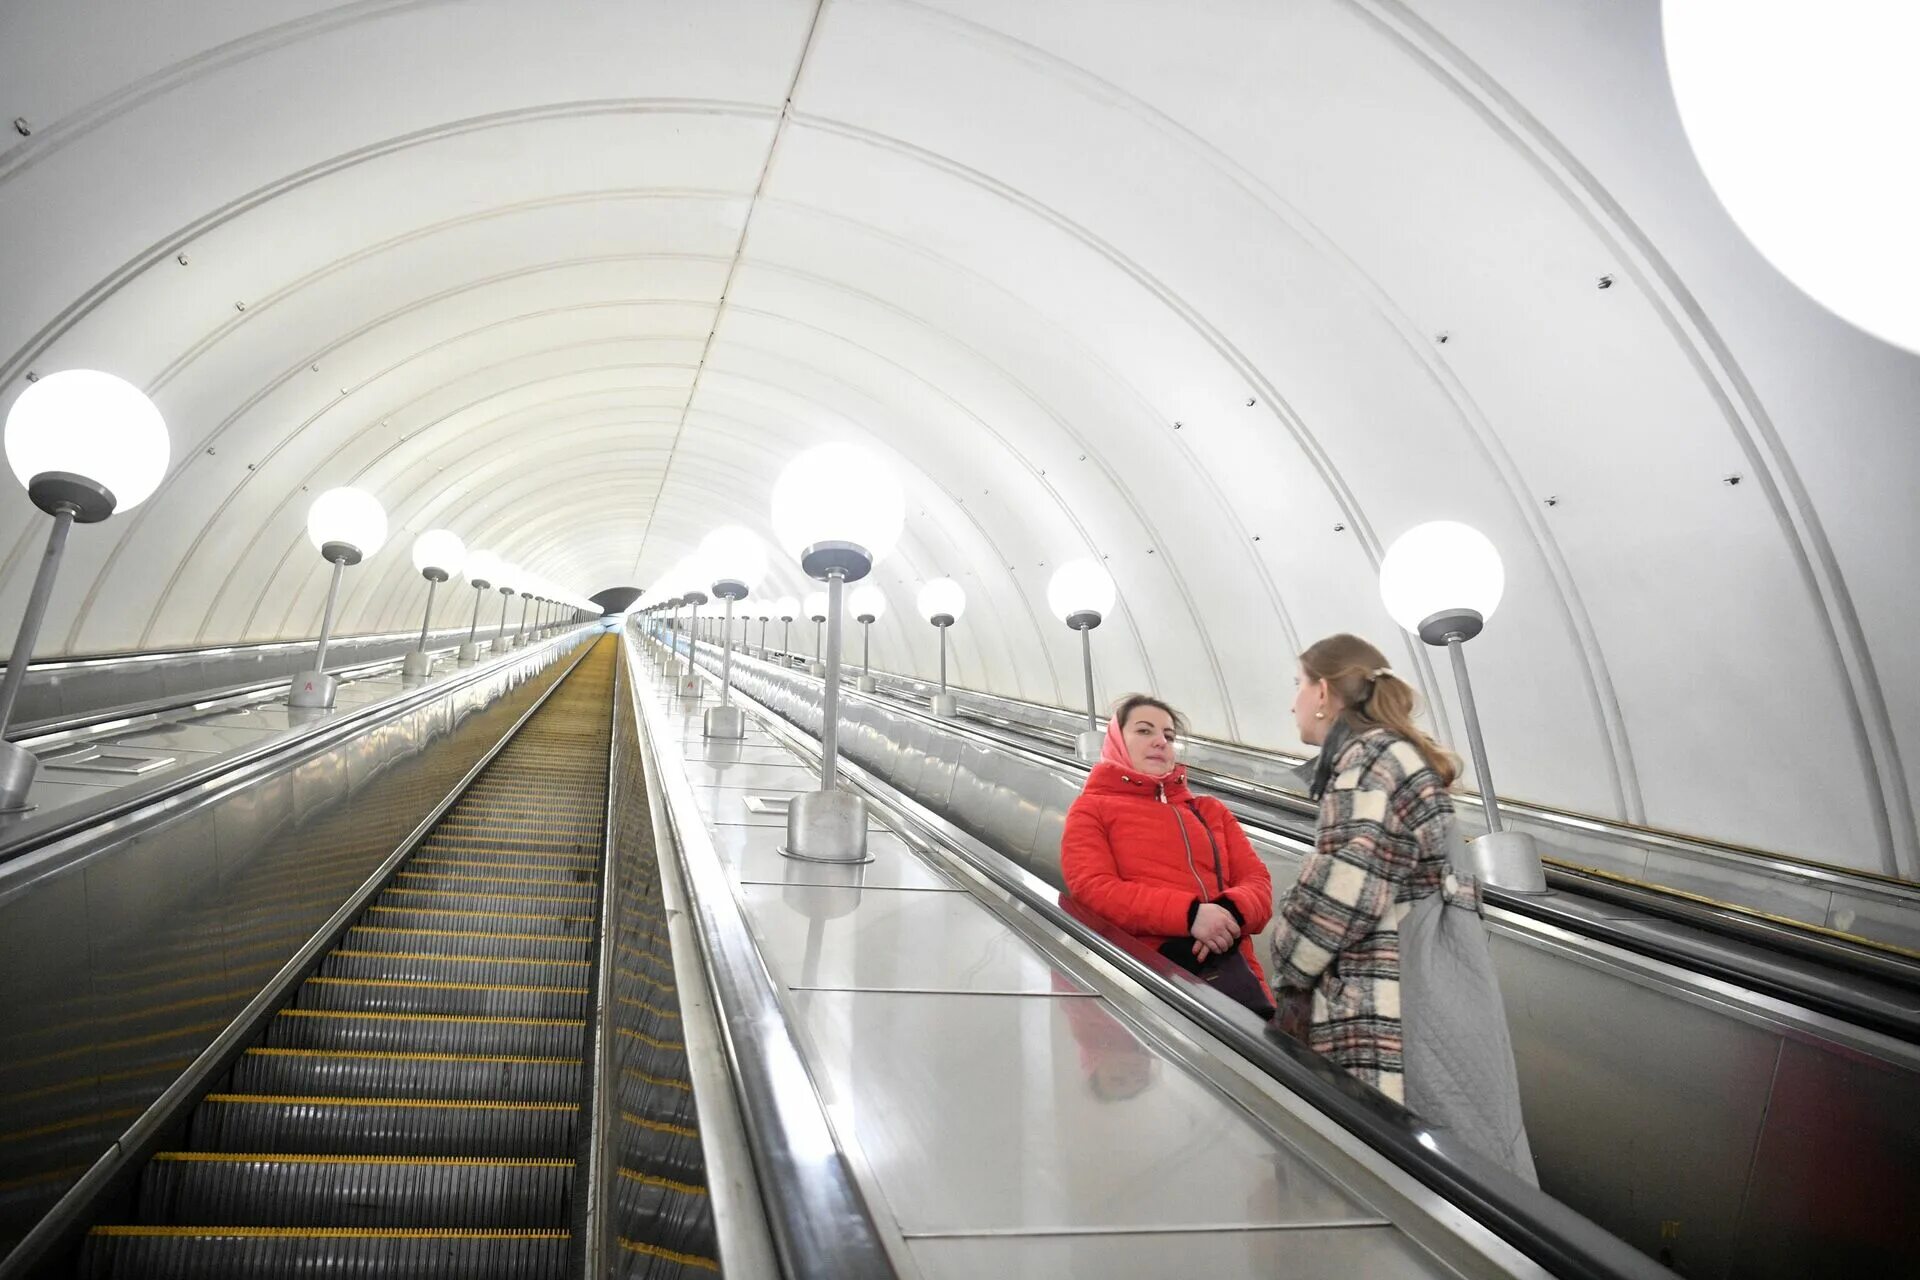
(1382, 673)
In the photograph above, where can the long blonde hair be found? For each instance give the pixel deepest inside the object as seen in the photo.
(1374, 697)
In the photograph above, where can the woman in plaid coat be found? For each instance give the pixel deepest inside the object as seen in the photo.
(1382, 843)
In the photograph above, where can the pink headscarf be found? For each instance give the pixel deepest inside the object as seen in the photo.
(1113, 750)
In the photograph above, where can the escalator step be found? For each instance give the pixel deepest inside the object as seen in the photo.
(425, 966)
(387, 1127)
(581, 885)
(556, 924)
(426, 1033)
(333, 1074)
(564, 865)
(466, 942)
(477, 999)
(257, 1189)
(269, 1253)
(560, 903)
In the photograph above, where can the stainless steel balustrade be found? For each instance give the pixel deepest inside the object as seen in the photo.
(128, 944)
(1717, 1128)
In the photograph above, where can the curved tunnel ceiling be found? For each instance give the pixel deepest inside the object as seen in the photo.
(1228, 294)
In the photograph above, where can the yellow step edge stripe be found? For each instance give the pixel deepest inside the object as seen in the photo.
(430, 1017)
(655, 1251)
(649, 1180)
(455, 958)
(330, 1233)
(497, 915)
(653, 1009)
(480, 862)
(290, 1100)
(283, 1157)
(644, 1038)
(514, 897)
(659, 1126)
(445, 986)
(466, 879)
(412, 1057)
(471, 933)
(685, 1086)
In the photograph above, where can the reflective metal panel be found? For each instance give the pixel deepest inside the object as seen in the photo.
(752, 854)
(1085, 1126)
(815, 936)
(1346, 1253)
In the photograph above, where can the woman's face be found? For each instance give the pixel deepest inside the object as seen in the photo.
(1312, 707)
(1149, 734)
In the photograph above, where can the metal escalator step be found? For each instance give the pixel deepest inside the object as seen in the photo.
(426, 966)
(675, 1220)
(559, 903)
(565, 866)
(426, 1033)
(490, 839)
(480, 999)
(269, 1253)
(556, 924)
(584, 886)
(218, 1188)
(381, 1126)
(459, 942)
(346, 1073)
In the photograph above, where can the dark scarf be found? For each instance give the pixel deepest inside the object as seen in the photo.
(1318, 772)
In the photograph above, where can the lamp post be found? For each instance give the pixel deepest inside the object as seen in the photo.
(689, 686)
(869, 605)
(520, 633)
(816, 607)
(942, 602)
(85, 444)
(480, 572)
(1442, 581)
(438, 554)
(504, 576)
(737, 559)
(764, 619)
(1080, 595)
(838, 511)
(786, 609)
(346, 525)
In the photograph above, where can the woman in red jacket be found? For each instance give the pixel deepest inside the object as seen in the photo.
(1143, 851)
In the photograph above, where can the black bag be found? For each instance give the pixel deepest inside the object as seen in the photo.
(1227, 972)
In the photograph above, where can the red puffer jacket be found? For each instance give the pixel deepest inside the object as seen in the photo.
(1123, 857)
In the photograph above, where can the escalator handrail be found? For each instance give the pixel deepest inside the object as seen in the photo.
(143, 802)
(821, 1225)
(1561, 1240)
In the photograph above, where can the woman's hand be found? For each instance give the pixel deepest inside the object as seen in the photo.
(1214, 930)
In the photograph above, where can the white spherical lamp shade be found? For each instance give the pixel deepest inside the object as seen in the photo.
(1802, 119)
(786, 608)
(816, 604)
(93, 425)
(1080, 587)
(733, 554)
(350, 518)
(867, 601)
(1441, 568)
(837, 506)
(943, 597)
(480, 568)
(439, 551)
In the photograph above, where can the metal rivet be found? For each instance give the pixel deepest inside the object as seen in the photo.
(251, 465)
(21, 127)
(239, 306)
(1605, 282)
(1250, 402)
(180, 258)
(1149, 550)
(343, 391)
(1256, 537)
(1443, 338)
(209, 451)
(1177, 426)
(1552, 500)
(1083, 457)
(32, 376)
(1729, 481)
(1340, 528)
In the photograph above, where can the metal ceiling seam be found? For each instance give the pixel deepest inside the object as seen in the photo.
(1344, 498)
(746, 231)
(1623, 774)
(1745, 416)
(378, 420)
(54, 135)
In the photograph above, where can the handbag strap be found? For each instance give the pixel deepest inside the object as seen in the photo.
(1219, 872)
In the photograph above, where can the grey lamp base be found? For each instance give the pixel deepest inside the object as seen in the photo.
(1508, 860)
(469, 653)
(673, 667)
(867, 684)
(943, 705)
(418, 666)
(725, 722)
(18, 768)
(827, 826)
(687, 686)
(1087, 745)
(502, 644)
(313, 690)
(816, 668)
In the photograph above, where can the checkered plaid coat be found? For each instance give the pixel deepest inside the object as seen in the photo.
(1382, 844)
